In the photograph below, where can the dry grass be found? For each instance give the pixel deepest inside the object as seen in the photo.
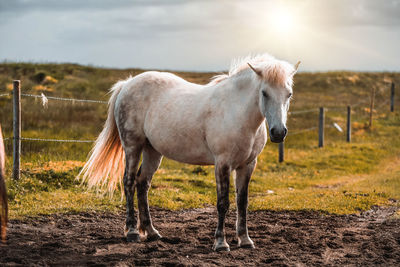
(340, 178)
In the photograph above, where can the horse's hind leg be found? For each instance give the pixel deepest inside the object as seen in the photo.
(243, 175)
(132, 155)
(150, 163)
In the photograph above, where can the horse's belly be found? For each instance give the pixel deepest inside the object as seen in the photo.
(183, 142)
(182, 149)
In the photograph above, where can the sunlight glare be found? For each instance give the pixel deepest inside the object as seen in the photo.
(282, 20)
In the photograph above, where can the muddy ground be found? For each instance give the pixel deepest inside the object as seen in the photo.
(281, 239)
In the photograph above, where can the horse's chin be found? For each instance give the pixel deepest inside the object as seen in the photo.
(277, 140)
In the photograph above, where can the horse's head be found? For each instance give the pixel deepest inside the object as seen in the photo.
(274, 94)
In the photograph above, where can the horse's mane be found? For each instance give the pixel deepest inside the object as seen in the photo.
(276, 72)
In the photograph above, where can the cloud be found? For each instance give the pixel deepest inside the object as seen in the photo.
(198, 34)
(20, 6)
(353, 12)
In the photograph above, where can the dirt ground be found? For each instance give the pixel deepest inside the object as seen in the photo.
(281, 239)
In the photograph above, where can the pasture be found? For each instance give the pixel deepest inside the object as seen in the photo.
(339, 186)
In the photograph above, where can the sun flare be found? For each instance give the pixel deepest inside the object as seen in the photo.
(282, 20)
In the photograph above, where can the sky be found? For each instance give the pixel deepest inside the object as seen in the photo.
(202, 35)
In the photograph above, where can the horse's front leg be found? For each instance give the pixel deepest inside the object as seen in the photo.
(222, 175)
(243, 175)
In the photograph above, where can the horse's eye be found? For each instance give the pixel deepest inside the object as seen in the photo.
(290, 95)
(264, 94)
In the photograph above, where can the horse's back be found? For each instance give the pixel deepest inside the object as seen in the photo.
(139, 92)
(149, 86)
(156, 81)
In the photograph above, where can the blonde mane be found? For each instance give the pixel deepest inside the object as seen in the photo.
(276, 72)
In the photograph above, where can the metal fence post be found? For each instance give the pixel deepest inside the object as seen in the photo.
(16, 128)
(348, 133)
(392, 98)
(321, 127)
(371, 106)
(281, 152)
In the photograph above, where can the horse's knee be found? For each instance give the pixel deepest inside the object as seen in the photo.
(128, 180)
(242, 200)
(223, 204)
(142, 185)
(222, 174)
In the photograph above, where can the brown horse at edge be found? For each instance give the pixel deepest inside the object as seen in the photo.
(3, 192)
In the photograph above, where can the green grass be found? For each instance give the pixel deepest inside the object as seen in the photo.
(340, 178)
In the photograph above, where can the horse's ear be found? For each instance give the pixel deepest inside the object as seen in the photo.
(296, 67)
(258, 72)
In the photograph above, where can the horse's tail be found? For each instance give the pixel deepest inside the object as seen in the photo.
(3, 192)
(105, 165)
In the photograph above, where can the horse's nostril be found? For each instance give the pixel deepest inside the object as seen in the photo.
(273, 131)
(284, 131)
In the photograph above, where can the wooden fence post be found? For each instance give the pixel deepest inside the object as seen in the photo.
(321, 127)
(371, 106)
(16, 128)
(281, 152)
(348, 133)
(392, 98)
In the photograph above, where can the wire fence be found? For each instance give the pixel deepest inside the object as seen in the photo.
(44, 99)
(73, 100)
(322, 124)
(56, 140)
(302, 131)
(303, 111)
(76, 100)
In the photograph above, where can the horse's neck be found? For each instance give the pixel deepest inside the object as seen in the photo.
(242, 95)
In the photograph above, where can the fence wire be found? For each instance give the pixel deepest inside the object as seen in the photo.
(50, 140)
(360, 103)
(56, 140)
(59, 98)
(302, 131)
(66, 99)
(382, 104)
(302, 111)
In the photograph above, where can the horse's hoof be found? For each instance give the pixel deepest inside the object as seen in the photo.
(246, 242)
(153, 237)
(249, 245)
(133, 237)
(221, 247)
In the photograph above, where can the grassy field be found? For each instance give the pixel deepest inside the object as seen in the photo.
(339, 178)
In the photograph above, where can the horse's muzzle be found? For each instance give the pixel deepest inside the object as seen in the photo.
(277, 136)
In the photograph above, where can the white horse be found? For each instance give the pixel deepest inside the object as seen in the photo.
(156, 114)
